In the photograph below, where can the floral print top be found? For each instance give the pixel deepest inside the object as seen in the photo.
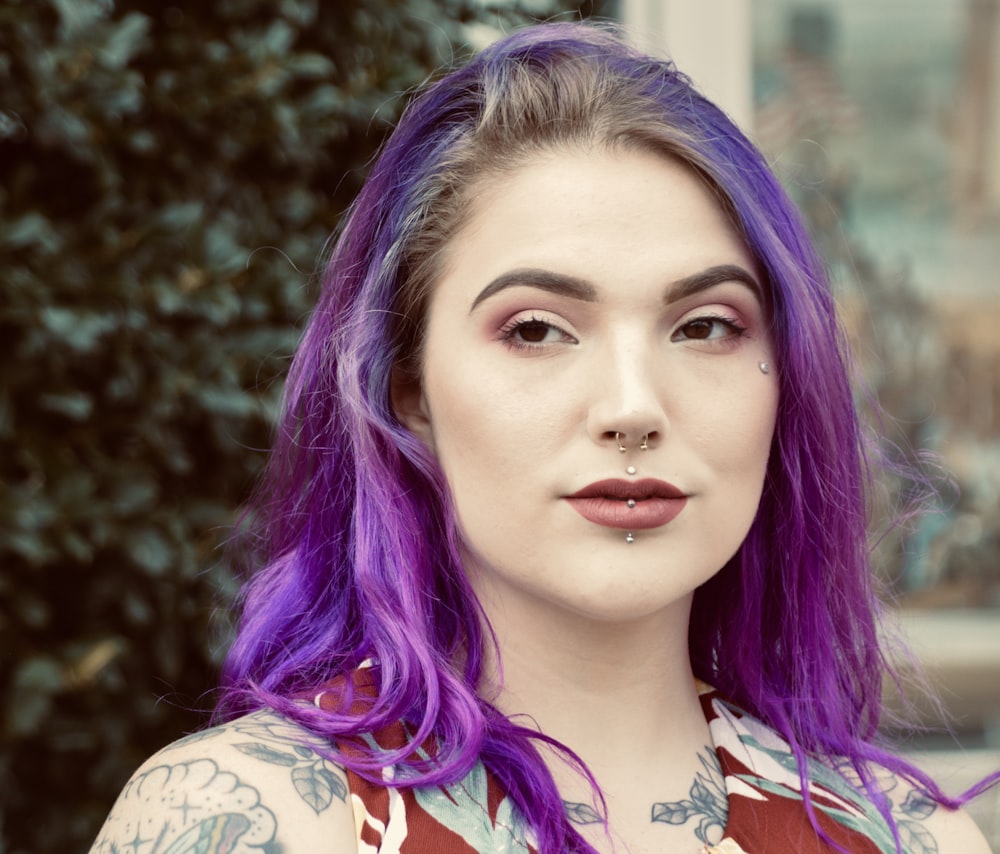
(762, 793)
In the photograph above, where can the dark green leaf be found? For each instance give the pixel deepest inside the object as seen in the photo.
(76, 406)
(125, 41)
(149, 549)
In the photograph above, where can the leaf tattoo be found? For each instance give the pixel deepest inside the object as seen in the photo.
(316, 780)
(706, 801)
(677, 812)
(917, 805)
(266, 754)
(317, 785)
(917, 838)
(581, 813)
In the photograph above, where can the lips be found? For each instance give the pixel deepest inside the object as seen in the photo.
(604, 503)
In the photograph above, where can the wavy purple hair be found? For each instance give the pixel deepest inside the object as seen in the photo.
(353, 527)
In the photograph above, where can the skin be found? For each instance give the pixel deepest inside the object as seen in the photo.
(524, 388)
(258, 784)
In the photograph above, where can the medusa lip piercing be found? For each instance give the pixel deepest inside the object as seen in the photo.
(630, 470)
(765, 367)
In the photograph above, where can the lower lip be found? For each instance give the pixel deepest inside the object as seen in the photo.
(614, 513)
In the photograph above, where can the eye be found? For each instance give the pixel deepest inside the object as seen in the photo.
(531, 332)
(712, 328)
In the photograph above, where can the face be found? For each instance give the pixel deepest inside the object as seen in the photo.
(592, 302)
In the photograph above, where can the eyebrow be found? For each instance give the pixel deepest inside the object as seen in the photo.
(544, 280)
(698, 282)
(580, 289)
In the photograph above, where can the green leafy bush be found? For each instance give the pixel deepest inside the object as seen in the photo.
(170, 173)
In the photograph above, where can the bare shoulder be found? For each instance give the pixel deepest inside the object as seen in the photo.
(954, 832)
(927, 827)
(256, 784)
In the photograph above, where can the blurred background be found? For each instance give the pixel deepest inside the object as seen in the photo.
(169, 174)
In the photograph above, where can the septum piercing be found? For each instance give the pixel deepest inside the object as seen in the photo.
(644, 444)
(765, 368)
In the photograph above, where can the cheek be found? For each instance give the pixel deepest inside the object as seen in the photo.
(472, 425)
(738, 433)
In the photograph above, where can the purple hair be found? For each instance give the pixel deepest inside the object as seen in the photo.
(353, 528)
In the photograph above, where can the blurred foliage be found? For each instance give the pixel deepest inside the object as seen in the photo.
(935, 527)
(170, 173)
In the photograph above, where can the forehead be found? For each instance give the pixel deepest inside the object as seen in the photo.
(600, 214)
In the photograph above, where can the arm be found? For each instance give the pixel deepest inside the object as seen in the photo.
(253, 785)
(929, 828)
(955, 832)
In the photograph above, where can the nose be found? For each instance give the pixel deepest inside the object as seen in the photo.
(627, 408)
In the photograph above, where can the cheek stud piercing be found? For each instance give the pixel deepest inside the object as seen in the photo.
(629, 538)
(630, 470)
(765, 368)
(621, 447)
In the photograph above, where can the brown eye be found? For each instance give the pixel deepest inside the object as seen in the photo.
(698, 330)
(709, 328)
(534, 331)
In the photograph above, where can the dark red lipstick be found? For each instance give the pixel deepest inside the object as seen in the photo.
(607, 503)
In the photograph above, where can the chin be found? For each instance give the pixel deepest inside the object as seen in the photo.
(630, 602)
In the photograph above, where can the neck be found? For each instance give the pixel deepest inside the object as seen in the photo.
(603, 689)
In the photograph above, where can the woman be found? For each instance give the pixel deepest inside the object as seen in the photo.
(569, 431)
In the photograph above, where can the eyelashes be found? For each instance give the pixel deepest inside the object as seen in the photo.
(712, 327)
(536, 333)
(533, 333)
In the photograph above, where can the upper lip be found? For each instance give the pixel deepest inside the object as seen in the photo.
(623, 490)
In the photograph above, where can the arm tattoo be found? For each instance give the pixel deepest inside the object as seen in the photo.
(272, 739)
(316, 779)
(706, 802)
(909, 810)
(188, 807)
(910, 814)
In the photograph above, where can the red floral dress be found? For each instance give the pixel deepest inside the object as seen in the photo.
(762, 791)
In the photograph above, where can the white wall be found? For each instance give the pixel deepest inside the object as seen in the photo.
(710, 40)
